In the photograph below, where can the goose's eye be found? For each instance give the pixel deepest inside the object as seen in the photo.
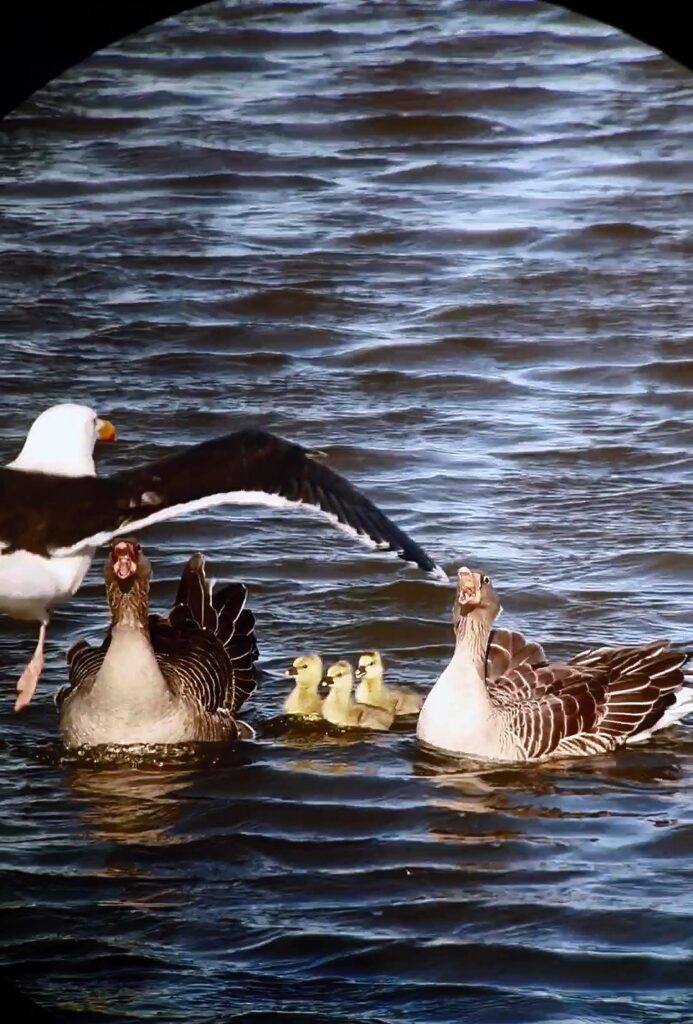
(485, 579)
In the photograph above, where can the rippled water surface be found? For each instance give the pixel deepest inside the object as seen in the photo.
(449, 244)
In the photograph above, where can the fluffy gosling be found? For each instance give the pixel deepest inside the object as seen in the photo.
(371, 689)
(304, 701)
(339, 708)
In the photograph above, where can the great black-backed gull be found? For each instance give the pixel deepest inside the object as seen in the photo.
(55, 511)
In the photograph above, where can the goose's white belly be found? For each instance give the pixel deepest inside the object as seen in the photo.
(129, 703)
(457, 716)
(30, 584)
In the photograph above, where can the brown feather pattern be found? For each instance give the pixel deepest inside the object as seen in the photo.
(590, 705)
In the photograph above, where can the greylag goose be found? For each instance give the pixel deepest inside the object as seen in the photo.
(498, 698)
(338, 707)
(161, 680)
(304, 700)
(55, 511)
(372, 690)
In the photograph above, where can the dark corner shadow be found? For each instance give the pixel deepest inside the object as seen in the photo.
(659, 25)
(20, 1009)
(39, 39)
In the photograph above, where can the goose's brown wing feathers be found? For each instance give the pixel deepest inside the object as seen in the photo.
(83, 665)
(508, 649)
(590, 705)
(643, 682)
(541, 706)
(206, 647)
(511, 661)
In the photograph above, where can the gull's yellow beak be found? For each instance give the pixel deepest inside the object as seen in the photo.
(105, 431)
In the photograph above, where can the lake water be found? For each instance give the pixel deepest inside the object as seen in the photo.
(450, 245)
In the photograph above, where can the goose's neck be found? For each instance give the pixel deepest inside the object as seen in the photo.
(458, 714)
(130, 680)
(473, 632)
(130, 610)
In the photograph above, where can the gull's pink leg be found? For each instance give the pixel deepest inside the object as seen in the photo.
(26, 684)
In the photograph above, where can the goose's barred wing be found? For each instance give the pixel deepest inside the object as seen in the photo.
(591, 705)
(246, 467)
(567, 705)
(83, 665)
(194, 593)
(233, 618)
(206, 647)
(508, 651)
(643, 682)
(193, 663)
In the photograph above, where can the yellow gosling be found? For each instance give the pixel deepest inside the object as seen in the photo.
(371, 689)
(304, 701)
(339, 708)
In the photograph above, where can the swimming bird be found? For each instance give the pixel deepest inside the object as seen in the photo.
(499, 698)
(339, 708)
(372, 690)
(55, 512)
(304, 700)
(155, 679)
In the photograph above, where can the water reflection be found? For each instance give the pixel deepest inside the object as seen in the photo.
(135, 794)
(548, 802)
(130, 805)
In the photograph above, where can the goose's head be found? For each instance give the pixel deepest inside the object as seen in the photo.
(370, 665)
(475, 593)
(340, 677)
(127, 573)
(61, 440)
(306, 670)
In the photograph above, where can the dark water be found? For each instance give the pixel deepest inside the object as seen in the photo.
(450, 244)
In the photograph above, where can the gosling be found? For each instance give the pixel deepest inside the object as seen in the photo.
(339, 708)
(371, 689)
(304, 701)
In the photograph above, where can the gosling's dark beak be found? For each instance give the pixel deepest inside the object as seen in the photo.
(291, 671)
(324, 686)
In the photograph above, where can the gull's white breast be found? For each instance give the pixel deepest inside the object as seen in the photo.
(30, 584)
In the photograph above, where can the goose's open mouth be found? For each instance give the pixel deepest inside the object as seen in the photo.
(468, 589)
(124, 555)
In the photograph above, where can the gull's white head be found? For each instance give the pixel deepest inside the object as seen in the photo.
(61, 440)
